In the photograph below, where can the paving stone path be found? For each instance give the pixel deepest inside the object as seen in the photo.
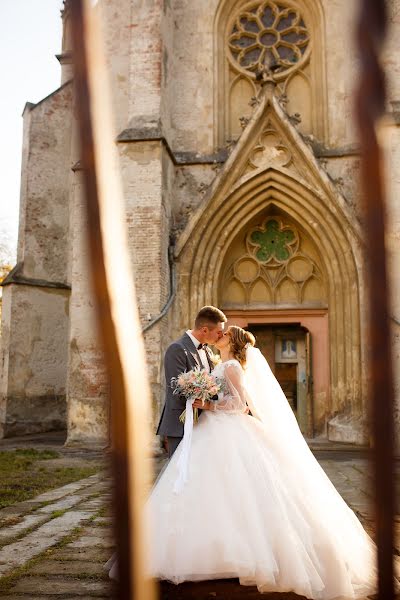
(55, 545)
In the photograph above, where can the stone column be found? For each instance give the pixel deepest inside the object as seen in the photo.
(133, 40)
(87, 386)
(145, 178)
(148, 173)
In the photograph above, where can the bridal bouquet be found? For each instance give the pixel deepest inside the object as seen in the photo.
(196, 385)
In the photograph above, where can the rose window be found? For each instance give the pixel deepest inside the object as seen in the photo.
(267, 33)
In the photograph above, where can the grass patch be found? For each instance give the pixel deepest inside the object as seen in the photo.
(58, 513)
(71, 537)
(35, 454)
(104, 511)
(89, 576)
(21, 478)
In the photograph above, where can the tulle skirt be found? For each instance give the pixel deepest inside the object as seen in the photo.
(242, 514)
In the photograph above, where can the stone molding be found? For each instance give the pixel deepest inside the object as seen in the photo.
(322, 151)
(65, 58)
(154, 134)
(14, 277)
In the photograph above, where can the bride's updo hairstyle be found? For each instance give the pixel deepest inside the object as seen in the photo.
(239, 339)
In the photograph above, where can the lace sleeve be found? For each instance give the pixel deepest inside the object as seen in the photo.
(234, 398)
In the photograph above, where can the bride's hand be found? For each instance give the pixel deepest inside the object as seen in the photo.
(199, 404)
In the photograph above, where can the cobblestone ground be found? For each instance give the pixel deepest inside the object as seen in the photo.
(55, 545)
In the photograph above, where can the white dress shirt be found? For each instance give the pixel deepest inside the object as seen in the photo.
(202, 352)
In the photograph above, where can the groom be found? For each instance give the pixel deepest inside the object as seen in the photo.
(187, 353)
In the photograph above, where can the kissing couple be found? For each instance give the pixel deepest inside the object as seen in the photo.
(252, 501)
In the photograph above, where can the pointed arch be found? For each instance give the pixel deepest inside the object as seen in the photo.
(298, 89)
(202, 257)
(289, 177)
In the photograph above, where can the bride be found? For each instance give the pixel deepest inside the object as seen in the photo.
(243, 496)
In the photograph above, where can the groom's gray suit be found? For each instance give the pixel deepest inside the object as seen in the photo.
(180, 356)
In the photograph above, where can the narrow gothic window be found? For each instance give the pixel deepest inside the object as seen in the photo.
(286, 35)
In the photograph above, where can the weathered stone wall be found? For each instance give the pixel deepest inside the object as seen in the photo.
(342, 77)
(33, 383)
(341, 70)
(145, 65)
(190, 75)
(146, 176)
(165, 83)
(391, 58)
(118, 29)
(35, 323)
(43, 241)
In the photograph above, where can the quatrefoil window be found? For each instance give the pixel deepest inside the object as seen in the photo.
(273, 242)
(268, 32)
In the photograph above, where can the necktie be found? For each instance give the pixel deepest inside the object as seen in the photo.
(200, 346)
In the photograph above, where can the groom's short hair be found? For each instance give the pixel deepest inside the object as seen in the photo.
(209, 315)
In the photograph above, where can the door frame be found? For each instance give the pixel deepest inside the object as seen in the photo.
(314, 320)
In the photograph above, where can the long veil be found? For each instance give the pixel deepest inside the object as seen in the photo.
(268, 403)
(270, 406)
(304, 477)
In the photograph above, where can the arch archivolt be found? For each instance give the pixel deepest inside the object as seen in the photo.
(202, 258)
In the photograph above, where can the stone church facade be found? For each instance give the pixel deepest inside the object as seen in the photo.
(240, 168)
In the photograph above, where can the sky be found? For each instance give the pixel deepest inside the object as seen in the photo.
(30, 36)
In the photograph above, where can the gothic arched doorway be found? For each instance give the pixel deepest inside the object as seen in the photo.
(273, 282)
(315, 287)
(288, 183)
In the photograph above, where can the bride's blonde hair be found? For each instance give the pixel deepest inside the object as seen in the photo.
(239, 340)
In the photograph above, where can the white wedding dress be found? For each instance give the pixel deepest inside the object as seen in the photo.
(255, 504)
